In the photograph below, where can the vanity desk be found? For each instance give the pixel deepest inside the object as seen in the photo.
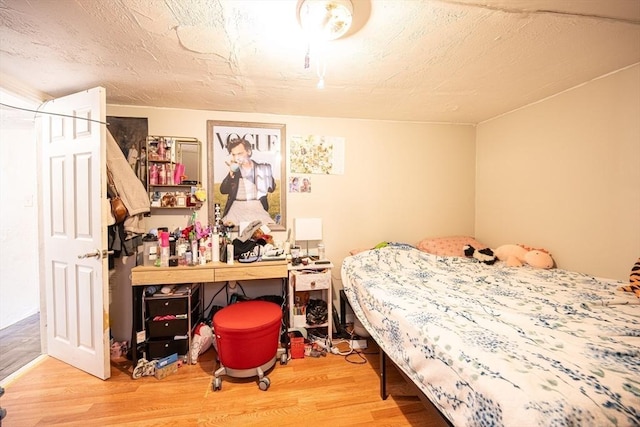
(210, 272)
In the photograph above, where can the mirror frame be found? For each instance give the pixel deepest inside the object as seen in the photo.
(266, 139)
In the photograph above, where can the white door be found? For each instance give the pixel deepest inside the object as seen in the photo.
(73, 143)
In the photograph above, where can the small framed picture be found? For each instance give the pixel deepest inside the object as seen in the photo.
(181, 201)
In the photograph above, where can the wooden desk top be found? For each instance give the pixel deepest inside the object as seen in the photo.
(210, 272)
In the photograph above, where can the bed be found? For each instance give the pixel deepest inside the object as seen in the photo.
(491, 345)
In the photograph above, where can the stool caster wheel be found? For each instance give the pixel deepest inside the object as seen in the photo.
(264, 383)
(217, 384)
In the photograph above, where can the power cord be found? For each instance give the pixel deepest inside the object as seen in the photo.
(362, 361)
(214, 308)
(351, 352)
(228, 296)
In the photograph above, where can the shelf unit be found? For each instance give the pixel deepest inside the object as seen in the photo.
(169, 321)
(306, 282)
(165, 157)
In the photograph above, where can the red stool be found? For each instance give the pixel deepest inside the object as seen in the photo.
(247, 335)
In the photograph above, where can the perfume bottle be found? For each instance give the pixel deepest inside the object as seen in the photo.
(161, 149)
(153, 174)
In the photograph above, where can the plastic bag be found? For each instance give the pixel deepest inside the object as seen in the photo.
(202, 340)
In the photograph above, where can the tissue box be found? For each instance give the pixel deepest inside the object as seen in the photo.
(166, 370)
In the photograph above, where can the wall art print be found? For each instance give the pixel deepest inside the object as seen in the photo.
(246, 172)
(299, 184)
(316, 154)
(131, 135)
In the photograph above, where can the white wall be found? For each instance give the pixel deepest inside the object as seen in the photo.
(564, 174)
(402, 181)
(19, 279)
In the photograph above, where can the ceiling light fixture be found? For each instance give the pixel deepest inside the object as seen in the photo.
(323, 21)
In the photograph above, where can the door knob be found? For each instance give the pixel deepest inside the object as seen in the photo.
(97, 254)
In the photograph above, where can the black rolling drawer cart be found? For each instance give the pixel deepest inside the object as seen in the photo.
(170, 320)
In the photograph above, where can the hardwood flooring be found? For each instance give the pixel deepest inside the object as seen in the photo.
(19, 345)
(311, 391)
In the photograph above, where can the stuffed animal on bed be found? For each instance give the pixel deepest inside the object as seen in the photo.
(519, 255)
(634, 280)
(485, 255)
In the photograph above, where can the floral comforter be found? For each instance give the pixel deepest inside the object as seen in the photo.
(502, 346)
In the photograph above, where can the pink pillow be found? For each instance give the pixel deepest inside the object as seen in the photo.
(448, 246)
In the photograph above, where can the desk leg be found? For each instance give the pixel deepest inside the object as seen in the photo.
(285, 315)
(136, 321)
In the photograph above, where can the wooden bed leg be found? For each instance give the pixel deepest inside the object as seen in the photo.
(383, 374)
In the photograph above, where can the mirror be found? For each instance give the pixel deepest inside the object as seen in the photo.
(188, 153)
(169, 152)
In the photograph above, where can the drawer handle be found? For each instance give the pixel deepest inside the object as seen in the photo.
(312, 284)
(166, 324)
(166, 303)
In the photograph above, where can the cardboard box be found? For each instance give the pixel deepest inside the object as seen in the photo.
(166, 370)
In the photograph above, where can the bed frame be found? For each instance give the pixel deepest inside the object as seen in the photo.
(383, 384)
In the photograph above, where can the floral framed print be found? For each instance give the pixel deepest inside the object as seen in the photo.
(246, 173)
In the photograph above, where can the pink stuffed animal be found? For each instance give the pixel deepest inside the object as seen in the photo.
(518, 255)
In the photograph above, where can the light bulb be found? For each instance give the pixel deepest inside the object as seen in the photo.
(320, 83)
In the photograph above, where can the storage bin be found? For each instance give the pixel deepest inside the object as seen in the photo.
(161, 307)
(162, 348)
(167, 328)
(309, 281)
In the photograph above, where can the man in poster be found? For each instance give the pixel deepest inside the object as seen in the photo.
(246, 185)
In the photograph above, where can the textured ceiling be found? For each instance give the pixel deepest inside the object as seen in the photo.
(459, 61)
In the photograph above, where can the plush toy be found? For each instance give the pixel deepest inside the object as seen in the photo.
(259, 235)
(200, 194)
(485, 255)
(518, 255)
(634, 280)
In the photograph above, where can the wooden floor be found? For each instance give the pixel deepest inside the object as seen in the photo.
(19, 345)
(311, 391)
